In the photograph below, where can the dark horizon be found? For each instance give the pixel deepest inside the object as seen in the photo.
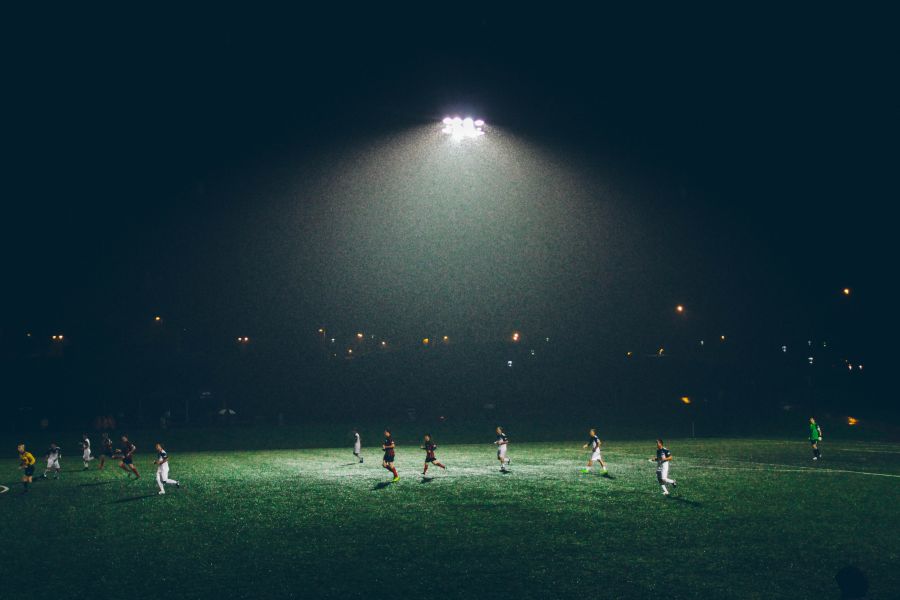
(192, 167)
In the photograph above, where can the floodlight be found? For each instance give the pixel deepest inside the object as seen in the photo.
(458, 128)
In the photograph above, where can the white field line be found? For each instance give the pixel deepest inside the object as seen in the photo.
(776, 468)
(3, 489)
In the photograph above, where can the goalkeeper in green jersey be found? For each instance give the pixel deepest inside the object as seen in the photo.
(815, 436)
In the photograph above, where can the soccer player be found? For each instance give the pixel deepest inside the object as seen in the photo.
(388, 461)
(662, 460)
(53, 455)
(127, 456)
(107, 449)
(26, 463)
(162, 469)
(594, 444)
(429, 447)
(86, 450)
(357, 445)
(501, 443)
(815, 436)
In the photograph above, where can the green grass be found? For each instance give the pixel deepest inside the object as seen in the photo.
(750, 519)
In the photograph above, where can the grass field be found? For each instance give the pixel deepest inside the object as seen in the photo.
(750, 519)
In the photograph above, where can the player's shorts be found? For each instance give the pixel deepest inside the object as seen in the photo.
(52, 463)
(127, 460)
(501, 452)
(357, 450)
(107, 452)
(388, 458)
(814, 442)
(86, 455)
(430, 459)
(29, 470)
(595, 457)
(163, 470)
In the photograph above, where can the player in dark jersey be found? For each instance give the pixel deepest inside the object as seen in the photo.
(126, 454)
(52, 455)
(662, 460)
(389, 448)
(429, 447)
(501, 442)
(107, 449)
(594, 444)
(26, 463)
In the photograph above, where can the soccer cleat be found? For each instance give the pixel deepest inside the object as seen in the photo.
(585, 470)
(815, 458)
(162, 492)
(178, 485)
(395, 479)
(666, 493)
(674, 484)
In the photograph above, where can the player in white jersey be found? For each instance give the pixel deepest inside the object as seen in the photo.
(594, 444)
(162, 469)
(501, 442)
(662, 460)
(86, 451)
(53, 455)
(357, 445)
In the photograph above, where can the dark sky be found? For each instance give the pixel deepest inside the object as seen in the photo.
(272, 171)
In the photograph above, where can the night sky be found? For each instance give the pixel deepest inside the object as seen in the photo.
(268, 173)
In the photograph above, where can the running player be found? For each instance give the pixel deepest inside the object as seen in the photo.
(815, 436)
(26, 463)
(662, 460)
(357, 445)
(86, 450)
(429, 447)
(162, 469)
(127, 456)
(107, 451)
(501, 443)
(53, 455)
(389, 447)
(594, 444)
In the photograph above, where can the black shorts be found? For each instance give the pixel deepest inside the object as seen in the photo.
(29, 470)
(388, 458)
(127, 460)
(813, 442)
(430, 459)
(107, 452)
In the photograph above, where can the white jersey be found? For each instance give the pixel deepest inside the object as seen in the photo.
(357, 443)
(86, 448)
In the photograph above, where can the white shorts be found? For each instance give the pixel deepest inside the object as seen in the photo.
(162, 471)
(662, 471)
(501, 451)
(87, 455)
(595, 457)
(52, 463)
(356, 449)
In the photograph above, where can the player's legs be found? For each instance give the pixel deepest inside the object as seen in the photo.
(425, 468)
(390, 467)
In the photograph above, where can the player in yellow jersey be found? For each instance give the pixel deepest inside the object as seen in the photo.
(26, 463)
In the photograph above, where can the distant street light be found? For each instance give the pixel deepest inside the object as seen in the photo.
(515, 336)
(243, 340)
(57, 338)
(846, 291)
(679, 309)
(359, 336)
(157, 318)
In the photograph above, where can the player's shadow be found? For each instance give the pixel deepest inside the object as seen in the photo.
(426, 479)
(94, 484)
(382, 484)
(681, 500)
(132, 498)
(349, 464)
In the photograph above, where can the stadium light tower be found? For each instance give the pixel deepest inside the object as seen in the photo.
(459, 129)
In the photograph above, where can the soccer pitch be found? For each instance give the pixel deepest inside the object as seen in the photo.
(749, 519)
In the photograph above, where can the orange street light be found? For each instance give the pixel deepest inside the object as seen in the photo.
(685, 399)
(679, 309)
(515, 336)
